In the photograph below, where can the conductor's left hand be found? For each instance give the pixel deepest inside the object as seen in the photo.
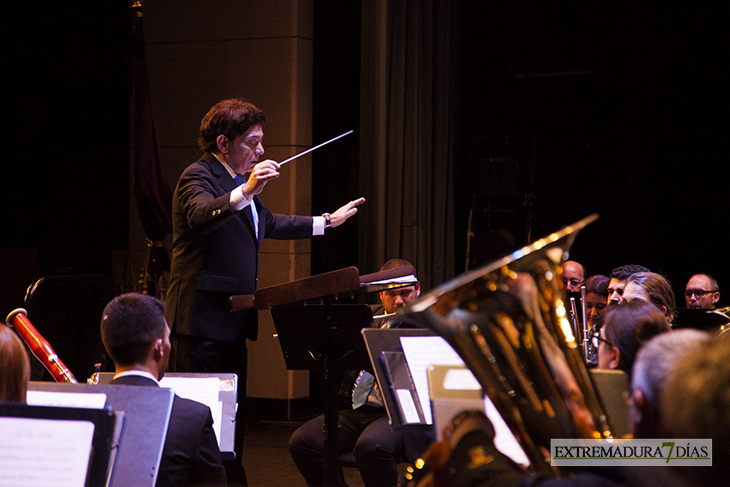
(343, 213)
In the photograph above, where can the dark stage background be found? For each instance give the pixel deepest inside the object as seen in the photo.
(565, 109)
(609, 107)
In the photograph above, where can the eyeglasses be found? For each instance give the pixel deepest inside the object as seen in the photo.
(572, 282)
(596, 339)
(699, 293)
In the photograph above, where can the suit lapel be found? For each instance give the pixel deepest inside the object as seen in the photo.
(227, 184)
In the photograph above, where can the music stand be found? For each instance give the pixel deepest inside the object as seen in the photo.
(227, 396)
(701, 319)
(104, 423)
(325, 336)
(310, 333)
(380, 341)
(332, 340)
(146, 418)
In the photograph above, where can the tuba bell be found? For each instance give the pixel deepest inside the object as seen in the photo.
(509, 322)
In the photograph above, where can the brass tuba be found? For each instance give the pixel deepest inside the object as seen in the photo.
(509, 323)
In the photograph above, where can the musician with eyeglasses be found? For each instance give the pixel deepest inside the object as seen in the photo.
(701, 292)
(626, 328)
(574, 275)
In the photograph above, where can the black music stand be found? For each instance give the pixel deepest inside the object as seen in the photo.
(326, 337)
(314, 331)
(146, 413)
(311, 332)
(378, 342)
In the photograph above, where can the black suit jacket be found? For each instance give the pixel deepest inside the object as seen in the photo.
(215, 253)
(191, 455)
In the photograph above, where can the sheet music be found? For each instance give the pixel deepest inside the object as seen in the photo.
(408, 407)
(422, 352)
(394, 280)
(63, 399)
(37, 452)
(504, 439)
(461, 380)
(205, 390)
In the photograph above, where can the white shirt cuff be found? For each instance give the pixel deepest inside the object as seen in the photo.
(318, 225)
(237, 201)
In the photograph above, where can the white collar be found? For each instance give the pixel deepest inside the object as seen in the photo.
(139, 373)
(231, 172)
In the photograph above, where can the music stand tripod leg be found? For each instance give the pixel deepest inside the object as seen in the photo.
(331, 424)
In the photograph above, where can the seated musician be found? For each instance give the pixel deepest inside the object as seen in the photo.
(364, 428)
(137, 338)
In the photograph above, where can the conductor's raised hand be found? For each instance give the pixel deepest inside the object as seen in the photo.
(343, 213)
(262, 173)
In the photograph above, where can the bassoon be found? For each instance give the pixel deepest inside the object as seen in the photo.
(38, 345)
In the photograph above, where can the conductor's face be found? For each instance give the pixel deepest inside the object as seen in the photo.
(243, 152)
(394, 299)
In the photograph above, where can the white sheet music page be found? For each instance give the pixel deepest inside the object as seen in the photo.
(201, 389)
(37, 452)
(91, 400)
(395, 280)
(421, 352)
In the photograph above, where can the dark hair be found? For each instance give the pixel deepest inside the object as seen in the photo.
(659, 290)
(628, 325)
(394, 264)
(622, 273)
(131, 323)
(598, 284)
(14, 367)
(232, 118)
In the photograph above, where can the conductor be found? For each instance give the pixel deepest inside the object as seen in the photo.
(219, 223)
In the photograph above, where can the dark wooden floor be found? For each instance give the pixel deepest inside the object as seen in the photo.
(266, 456)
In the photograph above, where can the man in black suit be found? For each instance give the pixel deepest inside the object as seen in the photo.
(136, 336)
(219, 222)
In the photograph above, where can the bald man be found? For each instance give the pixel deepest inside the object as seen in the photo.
(701, 292)
(574, 275)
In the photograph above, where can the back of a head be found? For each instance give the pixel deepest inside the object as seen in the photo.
(659, 290)
(625, 271)
(696, 404)
(629, 325)
(14, 367)
(130, 323)
(655, 362)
